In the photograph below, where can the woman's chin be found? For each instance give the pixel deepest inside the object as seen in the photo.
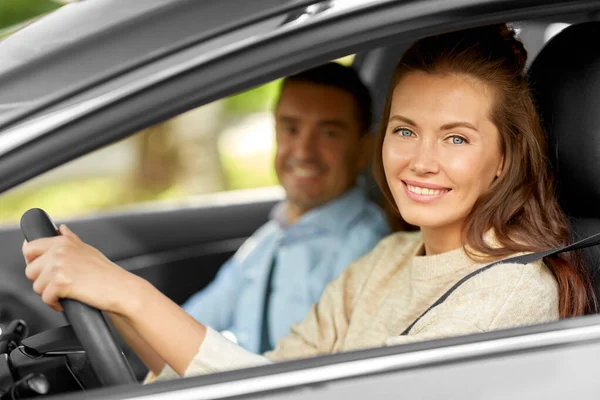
(424, 221)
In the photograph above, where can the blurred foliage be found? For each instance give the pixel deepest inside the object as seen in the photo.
(248, 172)
(14, 12)
(79, 197)
(253, 100)
(61, 199)
(262, 97)
(347, 61)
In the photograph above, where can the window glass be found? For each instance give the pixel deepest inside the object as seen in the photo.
(222, 146)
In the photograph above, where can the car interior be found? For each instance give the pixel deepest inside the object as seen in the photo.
(192, 241)
(566, 106)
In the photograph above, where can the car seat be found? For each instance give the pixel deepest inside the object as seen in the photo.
(565, 80)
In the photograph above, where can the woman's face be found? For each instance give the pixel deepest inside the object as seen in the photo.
(441, 151)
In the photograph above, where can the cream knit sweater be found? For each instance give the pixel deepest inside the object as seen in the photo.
(382, 293)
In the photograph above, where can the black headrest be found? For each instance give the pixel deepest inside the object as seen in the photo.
(565, 79)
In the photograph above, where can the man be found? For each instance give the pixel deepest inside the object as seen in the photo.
(322, 119)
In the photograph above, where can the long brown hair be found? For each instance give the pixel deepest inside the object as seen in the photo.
(520, 205)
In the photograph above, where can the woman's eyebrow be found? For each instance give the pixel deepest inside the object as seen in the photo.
(445, 127)
(458, 124)
(400, 118)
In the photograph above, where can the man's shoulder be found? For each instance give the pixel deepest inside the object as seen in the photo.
(369, 219)
(267, 229)
(261, 237)
(359, 235)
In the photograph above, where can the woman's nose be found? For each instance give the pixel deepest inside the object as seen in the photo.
(424, 160)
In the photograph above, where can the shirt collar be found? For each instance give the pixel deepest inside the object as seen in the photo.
(332, 216)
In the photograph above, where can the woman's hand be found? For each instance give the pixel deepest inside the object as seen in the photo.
(158, 329)
(65, 267)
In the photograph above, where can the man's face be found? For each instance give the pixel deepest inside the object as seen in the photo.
(319, 146)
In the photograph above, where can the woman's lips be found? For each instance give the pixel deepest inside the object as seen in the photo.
(424, 192)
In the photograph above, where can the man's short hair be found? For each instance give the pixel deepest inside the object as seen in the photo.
(344, 78)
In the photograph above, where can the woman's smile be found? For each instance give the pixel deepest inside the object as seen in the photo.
(424, 192)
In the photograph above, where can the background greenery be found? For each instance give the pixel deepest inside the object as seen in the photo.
(13, 13)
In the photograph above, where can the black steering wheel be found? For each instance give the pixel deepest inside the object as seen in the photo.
(90, 327)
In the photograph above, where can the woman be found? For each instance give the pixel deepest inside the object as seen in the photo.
(461, 155)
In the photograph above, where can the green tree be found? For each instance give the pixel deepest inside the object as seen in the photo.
(13, 13)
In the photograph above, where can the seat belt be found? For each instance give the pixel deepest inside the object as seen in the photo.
(265, 337)
(590, 241)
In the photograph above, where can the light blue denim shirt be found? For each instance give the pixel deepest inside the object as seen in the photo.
(310, 253)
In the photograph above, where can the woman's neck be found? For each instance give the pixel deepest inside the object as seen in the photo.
(440, 240)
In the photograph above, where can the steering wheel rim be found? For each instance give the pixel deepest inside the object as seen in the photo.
(91, 328)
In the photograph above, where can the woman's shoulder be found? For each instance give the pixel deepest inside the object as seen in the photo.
(509, 274)
(503, 296)
(531, 280)
(525, 294)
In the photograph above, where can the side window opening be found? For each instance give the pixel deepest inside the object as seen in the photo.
(224, 146)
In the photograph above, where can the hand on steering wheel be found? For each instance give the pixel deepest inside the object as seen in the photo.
(52, 264)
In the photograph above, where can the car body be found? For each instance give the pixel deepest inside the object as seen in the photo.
(97, 71)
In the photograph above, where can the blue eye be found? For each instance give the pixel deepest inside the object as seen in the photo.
(403, 132)
(458, 140)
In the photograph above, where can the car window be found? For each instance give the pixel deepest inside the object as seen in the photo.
(223, 146)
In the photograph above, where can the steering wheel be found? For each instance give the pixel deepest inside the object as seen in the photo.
(90, 327)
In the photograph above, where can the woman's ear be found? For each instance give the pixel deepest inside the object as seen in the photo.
(500, 167)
